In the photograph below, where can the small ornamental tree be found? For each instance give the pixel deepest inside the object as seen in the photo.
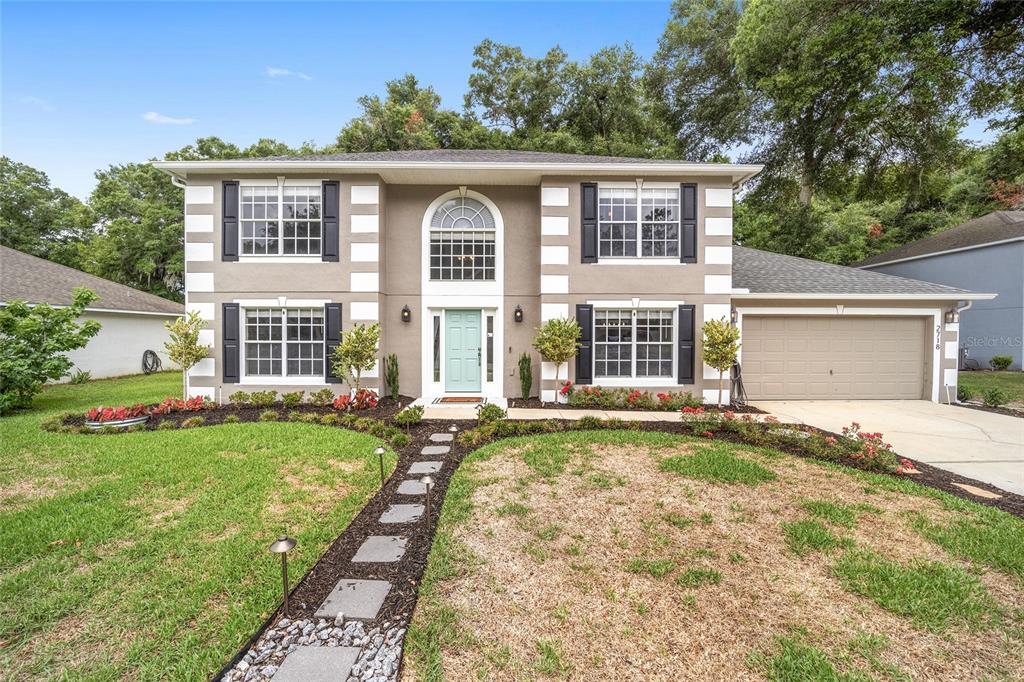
(34, 341)
(557, 341)
(357, 353)
(721, 345)
(184, 348)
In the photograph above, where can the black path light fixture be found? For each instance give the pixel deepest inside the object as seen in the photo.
(406, 313)
(379, 451)
(282, 545)
(453, 429)
(518, 314)
(428, 485)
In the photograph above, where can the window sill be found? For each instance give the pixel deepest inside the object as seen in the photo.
(282, 381)
(280, 259)
(607, 260)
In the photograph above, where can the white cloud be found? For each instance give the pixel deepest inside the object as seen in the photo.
(37, 102)
(154, 117)
(275, 72)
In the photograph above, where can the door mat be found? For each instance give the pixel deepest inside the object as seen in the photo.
(465, 400)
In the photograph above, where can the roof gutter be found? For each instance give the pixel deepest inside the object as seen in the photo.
(952, 296)
(939, 253)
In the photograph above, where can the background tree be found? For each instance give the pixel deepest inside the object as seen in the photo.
(34, 341)
(720, 346)
(39, 219)
(557, 341)
(356, 353)
(183, 347)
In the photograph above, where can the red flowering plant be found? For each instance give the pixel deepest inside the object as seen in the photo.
(363, 399)
(114, 414)
(870, 449)
(194, 404)
(566, 388)
(342, 402)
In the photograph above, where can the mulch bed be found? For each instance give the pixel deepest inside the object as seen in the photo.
(1008, 411)
(536, 404)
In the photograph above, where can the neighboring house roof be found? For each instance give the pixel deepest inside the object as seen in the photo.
(517, 164)
(998, 226)
(773, 275)
(37, 280)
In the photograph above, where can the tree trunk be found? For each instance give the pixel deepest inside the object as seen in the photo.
(721, 380)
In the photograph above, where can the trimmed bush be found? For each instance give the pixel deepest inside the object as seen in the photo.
(232, 419)
(489, 412)
(240, 398)
(268, 416)
(1000, 362)
(192, 422)
(167, 425)
(963, 394)
(409, 417)
(994, 397)
(263, 398)
(321, 398)
(292, 399)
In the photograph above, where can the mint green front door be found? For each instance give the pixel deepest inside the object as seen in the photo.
(462, 350)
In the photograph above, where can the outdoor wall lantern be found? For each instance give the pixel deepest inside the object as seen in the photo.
(282, 546)
(518, 314)
(428, 484)
(406, 314)
(952, 316)
(379, 451)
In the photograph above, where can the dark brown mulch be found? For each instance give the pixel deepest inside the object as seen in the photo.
(1008, 411)
(536, 404)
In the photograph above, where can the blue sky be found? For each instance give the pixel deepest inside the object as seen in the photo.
(86, 85)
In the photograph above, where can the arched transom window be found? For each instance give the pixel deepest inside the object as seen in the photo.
(462, 241)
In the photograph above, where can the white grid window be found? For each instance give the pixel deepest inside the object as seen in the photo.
(654, 346)
(284, 342)
(462, 241)
(280, 220)
(659, 234)
(625, 232)
(633, 344)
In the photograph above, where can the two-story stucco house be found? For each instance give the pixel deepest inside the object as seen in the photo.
(460, 255)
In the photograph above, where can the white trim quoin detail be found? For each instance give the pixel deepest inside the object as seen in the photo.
(198, 223)
(199, 281)
(364, 310)
(205, 310)
(365, 252)
(199, 194)
(551, 311)
(365, 194)
(206, 337)
(717, 284)
(717, 255)
(554, 226)
(198, 251)
(204, 368)
(718, 227)
(554, 284)
(365, 223)
(554, 255)
(365, 281)
(554, 196)
(718, 197)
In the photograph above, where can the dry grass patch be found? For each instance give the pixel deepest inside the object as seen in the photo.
(667, 575)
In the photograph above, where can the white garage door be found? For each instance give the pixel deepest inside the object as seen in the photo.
(816, 358)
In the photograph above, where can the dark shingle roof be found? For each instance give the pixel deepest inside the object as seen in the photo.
(774, 273)
(994, 227)
(470, 156)
(37, 280)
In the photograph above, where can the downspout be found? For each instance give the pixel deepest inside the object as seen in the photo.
(178, 181)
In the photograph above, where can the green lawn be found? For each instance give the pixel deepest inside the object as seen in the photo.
(1011, 383)
(143, 555)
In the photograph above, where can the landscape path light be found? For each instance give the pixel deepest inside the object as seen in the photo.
(379, 451)
(428, 484)
(453, 429)
(282, 545)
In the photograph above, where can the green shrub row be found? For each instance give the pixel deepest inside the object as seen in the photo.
(321, 398)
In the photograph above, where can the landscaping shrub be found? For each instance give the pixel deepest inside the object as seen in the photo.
(871, 451)
(630, 399)
(268, 416)
(183, 347)
(240, 398)
(36, 340)
(721, 345)
(1000, 362)
(357, 353)
(294, 416)
(588, 422)
(400, 440)
(263, 398)
(232, 419)
(409, 417)
(166, 425)
(963, 394)
(329, 419)
(391, 375)
(557, 341)
(364, 399)
(292, 399)
(322, 398)
(994, 397)
(81, 377)
(525, 375)
(489, 412)
(192, 422)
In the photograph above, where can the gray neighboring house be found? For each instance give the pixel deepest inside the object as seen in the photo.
(984, 254)
(132, 320)
(461, 254)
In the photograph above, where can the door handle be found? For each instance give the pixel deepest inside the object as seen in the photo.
(477, 357)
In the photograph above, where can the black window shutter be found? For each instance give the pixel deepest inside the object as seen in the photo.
(588, 222)
(332, 337)
(231, 346)
(585, 353)
(229, 221)
(686, 343)
(688, 224)
(331, 243)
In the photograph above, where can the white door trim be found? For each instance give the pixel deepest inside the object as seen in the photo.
(489, 306)
(840, 310)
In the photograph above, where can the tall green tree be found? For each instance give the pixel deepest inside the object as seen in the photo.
(40, 219)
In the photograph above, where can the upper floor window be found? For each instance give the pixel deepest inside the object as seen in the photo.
(462, 241)
(280, 220)
(628, 230)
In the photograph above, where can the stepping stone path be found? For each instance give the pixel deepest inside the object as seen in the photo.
(425, 468)
(360, 599)
(380, 549)
(402, 513)
(336, 646)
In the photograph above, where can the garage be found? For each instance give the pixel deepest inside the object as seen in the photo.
(793, 357)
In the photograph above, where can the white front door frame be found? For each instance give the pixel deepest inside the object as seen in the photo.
(489, 306)
(840, 310)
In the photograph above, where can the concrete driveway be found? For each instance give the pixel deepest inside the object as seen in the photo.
(981, 445)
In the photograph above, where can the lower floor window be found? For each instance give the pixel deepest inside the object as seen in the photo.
(284, 342)
(633, 344)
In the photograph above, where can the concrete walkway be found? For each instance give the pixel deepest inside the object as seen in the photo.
(985, 446)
